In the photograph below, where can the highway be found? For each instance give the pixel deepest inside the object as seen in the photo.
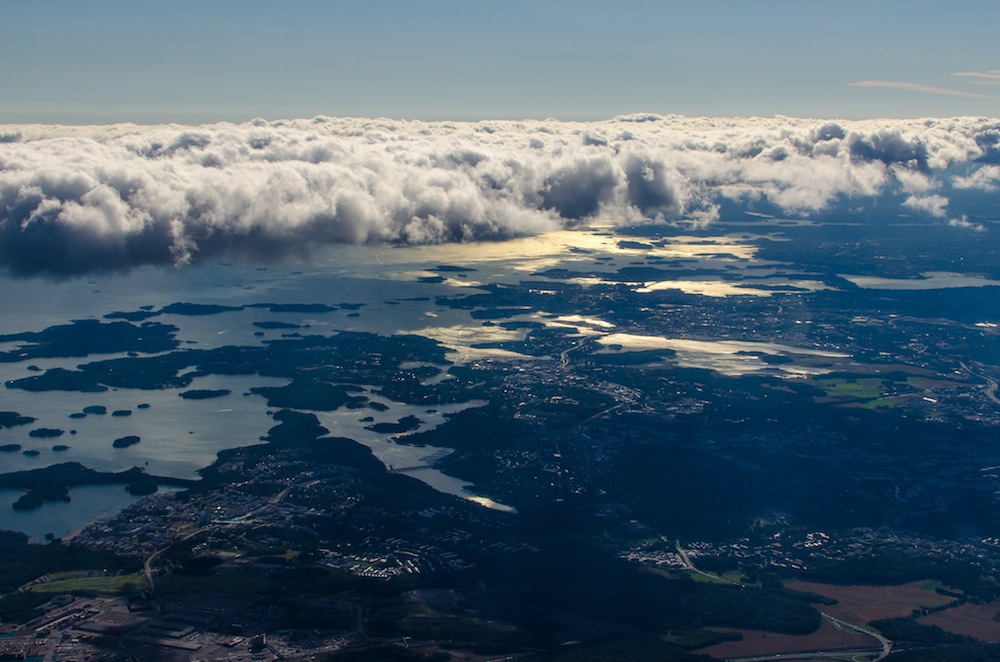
(147, 565)
(871, 654)
(564, 355)
(841, 654)
(691, 567)
(991, 384)
(877, 653)
(850, 627)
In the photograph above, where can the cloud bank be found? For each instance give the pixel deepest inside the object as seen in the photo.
(80, 199)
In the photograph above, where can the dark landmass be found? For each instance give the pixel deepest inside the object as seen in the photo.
(635, 245)
(908, 632)
(309, 395)
(405, 424)
(125, 442)
(143, 486)
(97, 410)
(53, 483)
(10, 448)
(59, 448)
(448, 268)
(654, 502)
(31, 452)
(508, 595)
(45, 433)
(86, 337)
(58, 379)
(204, 394)
(121, 413)
(131, 316)
(10, 419)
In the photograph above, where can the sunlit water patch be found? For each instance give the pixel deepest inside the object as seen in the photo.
(726, 288)
(728, 357)
(932, 280)
(462, 338)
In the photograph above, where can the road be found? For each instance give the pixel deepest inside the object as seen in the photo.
(991, 384)
(691, 567)
(850, 627)
(809, 655)
(147, 565)
(872, 654)
(880, 653)
(564, 355)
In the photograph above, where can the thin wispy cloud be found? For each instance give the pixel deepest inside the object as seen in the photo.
(991, 77)
(919, 87)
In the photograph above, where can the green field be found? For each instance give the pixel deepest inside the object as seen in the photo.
(70, 582)
(863, 388)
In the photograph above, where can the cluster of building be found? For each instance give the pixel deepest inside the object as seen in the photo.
(797, 550)
(391, 557)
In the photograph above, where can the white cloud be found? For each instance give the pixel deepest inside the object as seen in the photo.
(985, 178)
(932, 205)
(965, 223)
(75, 199)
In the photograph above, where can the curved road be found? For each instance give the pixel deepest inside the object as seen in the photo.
(147, 565)
(886, 645)
(691, 567)
(839, 654)
(564, 355)
(991, 384)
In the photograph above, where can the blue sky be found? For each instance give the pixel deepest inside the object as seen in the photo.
(183, 61)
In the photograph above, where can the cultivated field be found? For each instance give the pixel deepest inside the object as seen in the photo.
(857, 605)
(754, 642)
(976, 621)
(862, 604)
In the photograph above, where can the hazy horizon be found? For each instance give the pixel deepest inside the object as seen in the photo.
(188, 62)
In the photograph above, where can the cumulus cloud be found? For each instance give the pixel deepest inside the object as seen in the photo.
(965, 223)
(77, 199)
(985, 178)
(931, 205)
